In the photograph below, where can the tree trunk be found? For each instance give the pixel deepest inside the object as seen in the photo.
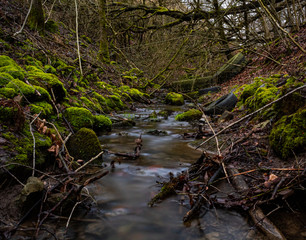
(219, 22)
(103, 50)
(36, 17)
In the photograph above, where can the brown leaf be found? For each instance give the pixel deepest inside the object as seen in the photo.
(44, 129)
(57, 150)
(52, 148)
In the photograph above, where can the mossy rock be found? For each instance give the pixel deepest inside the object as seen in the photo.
(49, 81)
(8, 65)
(30, 61)
(84, 144)
(114, 102)
(44, 108)
(79, 117)
(102, 123)
(174, 99)
(22, 147)
(288, 134)
(292, 102)
(5, 78)
(190, 115)
(95, 106)
(8, 92)
(262, 96)
(22, 88)
(44, 94)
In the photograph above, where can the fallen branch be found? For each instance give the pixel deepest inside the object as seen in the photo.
(91, 160)
(31, 130)
(251, 114)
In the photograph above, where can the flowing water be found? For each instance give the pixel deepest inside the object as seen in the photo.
(121, 210)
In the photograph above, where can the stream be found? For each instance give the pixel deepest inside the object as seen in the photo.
(121, 210)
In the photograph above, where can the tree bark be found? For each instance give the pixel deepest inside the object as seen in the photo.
(36, 17)
(104, 48)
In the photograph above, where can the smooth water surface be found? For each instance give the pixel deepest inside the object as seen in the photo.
(121, 211)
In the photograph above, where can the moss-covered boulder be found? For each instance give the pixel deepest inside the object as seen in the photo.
(48, 81)
(8, 92)
(190, 115)
(21, 147)
(174, 99)
(22, 88)
(84, 144)
(289, 134)
(92, 104)
(5, 78)
(262, 96)
(114, 102)
(45, 109)
(79, 117)
(102, 123)
(9, 66)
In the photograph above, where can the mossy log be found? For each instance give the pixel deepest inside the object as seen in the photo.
(223, 74)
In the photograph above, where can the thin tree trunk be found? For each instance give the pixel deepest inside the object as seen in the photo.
(36, 17)
(103, 50)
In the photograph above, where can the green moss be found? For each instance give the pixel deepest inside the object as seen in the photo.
(262, 96)
(30, 61)
(102, 101)
(93, 106)
(63, 68)
(8, 92)
(5, 78)
(23, 146)
(8, 65)
(43, 107)
(79, 117)
(44, 95)
(23, 88)
(114, 102)
(102, 123)
(49, 69)
(84, 144)
(174, 99)
(289, 134)
(49, 81)
(192, 114)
